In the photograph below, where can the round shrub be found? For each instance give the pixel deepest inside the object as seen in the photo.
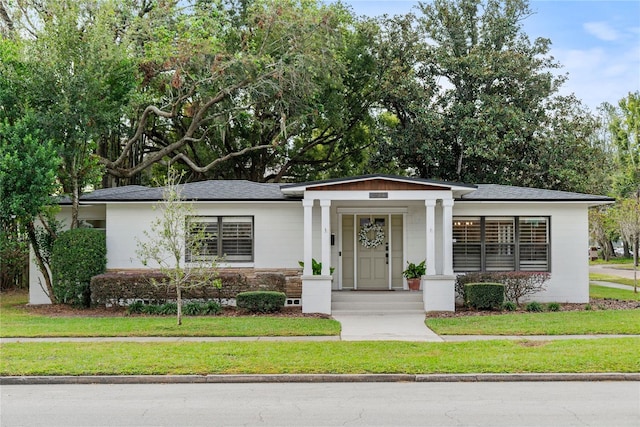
(195, 308)
(136, 307)
(553, 306)
(77, 256)
(510, 306)
(484, 296)
(261, 301)
(534, 306)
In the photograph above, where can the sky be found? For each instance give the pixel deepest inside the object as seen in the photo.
(597, 42)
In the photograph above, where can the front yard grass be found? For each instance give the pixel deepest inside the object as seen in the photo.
(16, 321)
(550, 323)
(597, 291)
(601, 355)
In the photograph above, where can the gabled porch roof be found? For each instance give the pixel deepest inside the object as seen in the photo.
(378, 182)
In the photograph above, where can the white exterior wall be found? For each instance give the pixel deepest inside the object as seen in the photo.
(569, 235)
(278, 231)
(278, 235)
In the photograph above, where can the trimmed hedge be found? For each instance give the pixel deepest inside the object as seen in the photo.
(152, 286)
(261, 301)
(77, 256)
(484, 296)
(517, 284)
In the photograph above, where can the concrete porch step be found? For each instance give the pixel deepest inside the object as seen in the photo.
(362, 302)
(376, 296)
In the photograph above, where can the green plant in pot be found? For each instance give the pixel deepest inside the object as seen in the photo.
(414, 273)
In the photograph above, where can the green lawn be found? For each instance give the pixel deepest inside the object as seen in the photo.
(16, 321)
(549, 323)
(596, 291)
(612, 261)
(600, 355)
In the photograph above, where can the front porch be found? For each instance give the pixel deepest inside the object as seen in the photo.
(365, 230)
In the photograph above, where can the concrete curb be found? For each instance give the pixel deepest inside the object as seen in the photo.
(313, 378)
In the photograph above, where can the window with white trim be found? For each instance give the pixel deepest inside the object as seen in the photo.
(228, 237)
(501, 244)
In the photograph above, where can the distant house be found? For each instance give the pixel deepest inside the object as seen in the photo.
(367, 228)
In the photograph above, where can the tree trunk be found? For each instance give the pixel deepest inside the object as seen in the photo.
(75, 204)
(31, 232)
(179, 302)
(635, 266)
(610, 252)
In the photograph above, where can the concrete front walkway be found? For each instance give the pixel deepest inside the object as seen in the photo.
(385, 327)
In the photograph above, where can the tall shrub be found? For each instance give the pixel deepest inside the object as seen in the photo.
(77, 256)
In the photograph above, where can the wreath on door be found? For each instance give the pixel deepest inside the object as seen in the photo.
(378, 235)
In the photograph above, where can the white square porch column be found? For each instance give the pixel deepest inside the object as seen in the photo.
(316, 290)
(307, 254)
(326, 236)
(447, 237)
(438, 291)
(431, 237)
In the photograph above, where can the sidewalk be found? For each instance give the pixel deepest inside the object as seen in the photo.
(441, 338)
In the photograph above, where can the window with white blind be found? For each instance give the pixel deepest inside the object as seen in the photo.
(501, 244)
(467, 249)
(499, 240)
(228, 237)
(533, 244)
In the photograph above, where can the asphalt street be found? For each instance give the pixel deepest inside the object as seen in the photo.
(604, 403)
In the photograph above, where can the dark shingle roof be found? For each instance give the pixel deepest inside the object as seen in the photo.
(238, 190)
(495, 192)
(203, 190)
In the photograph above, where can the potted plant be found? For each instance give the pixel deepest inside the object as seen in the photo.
(413, 273)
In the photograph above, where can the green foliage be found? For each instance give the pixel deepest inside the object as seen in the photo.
(77, 256)
(534, 306)
(119, 287)
(152, 309)
(168, 308)
(477, 101)
(484, 296)
(76, 79)
(135, 307)
(415, 271)
(624, 130)
(626, 214)
(27, 170)
(553, 306)
(202, 308)
(261, 301)
(316, 267)
(509, 306)
(14, 253)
